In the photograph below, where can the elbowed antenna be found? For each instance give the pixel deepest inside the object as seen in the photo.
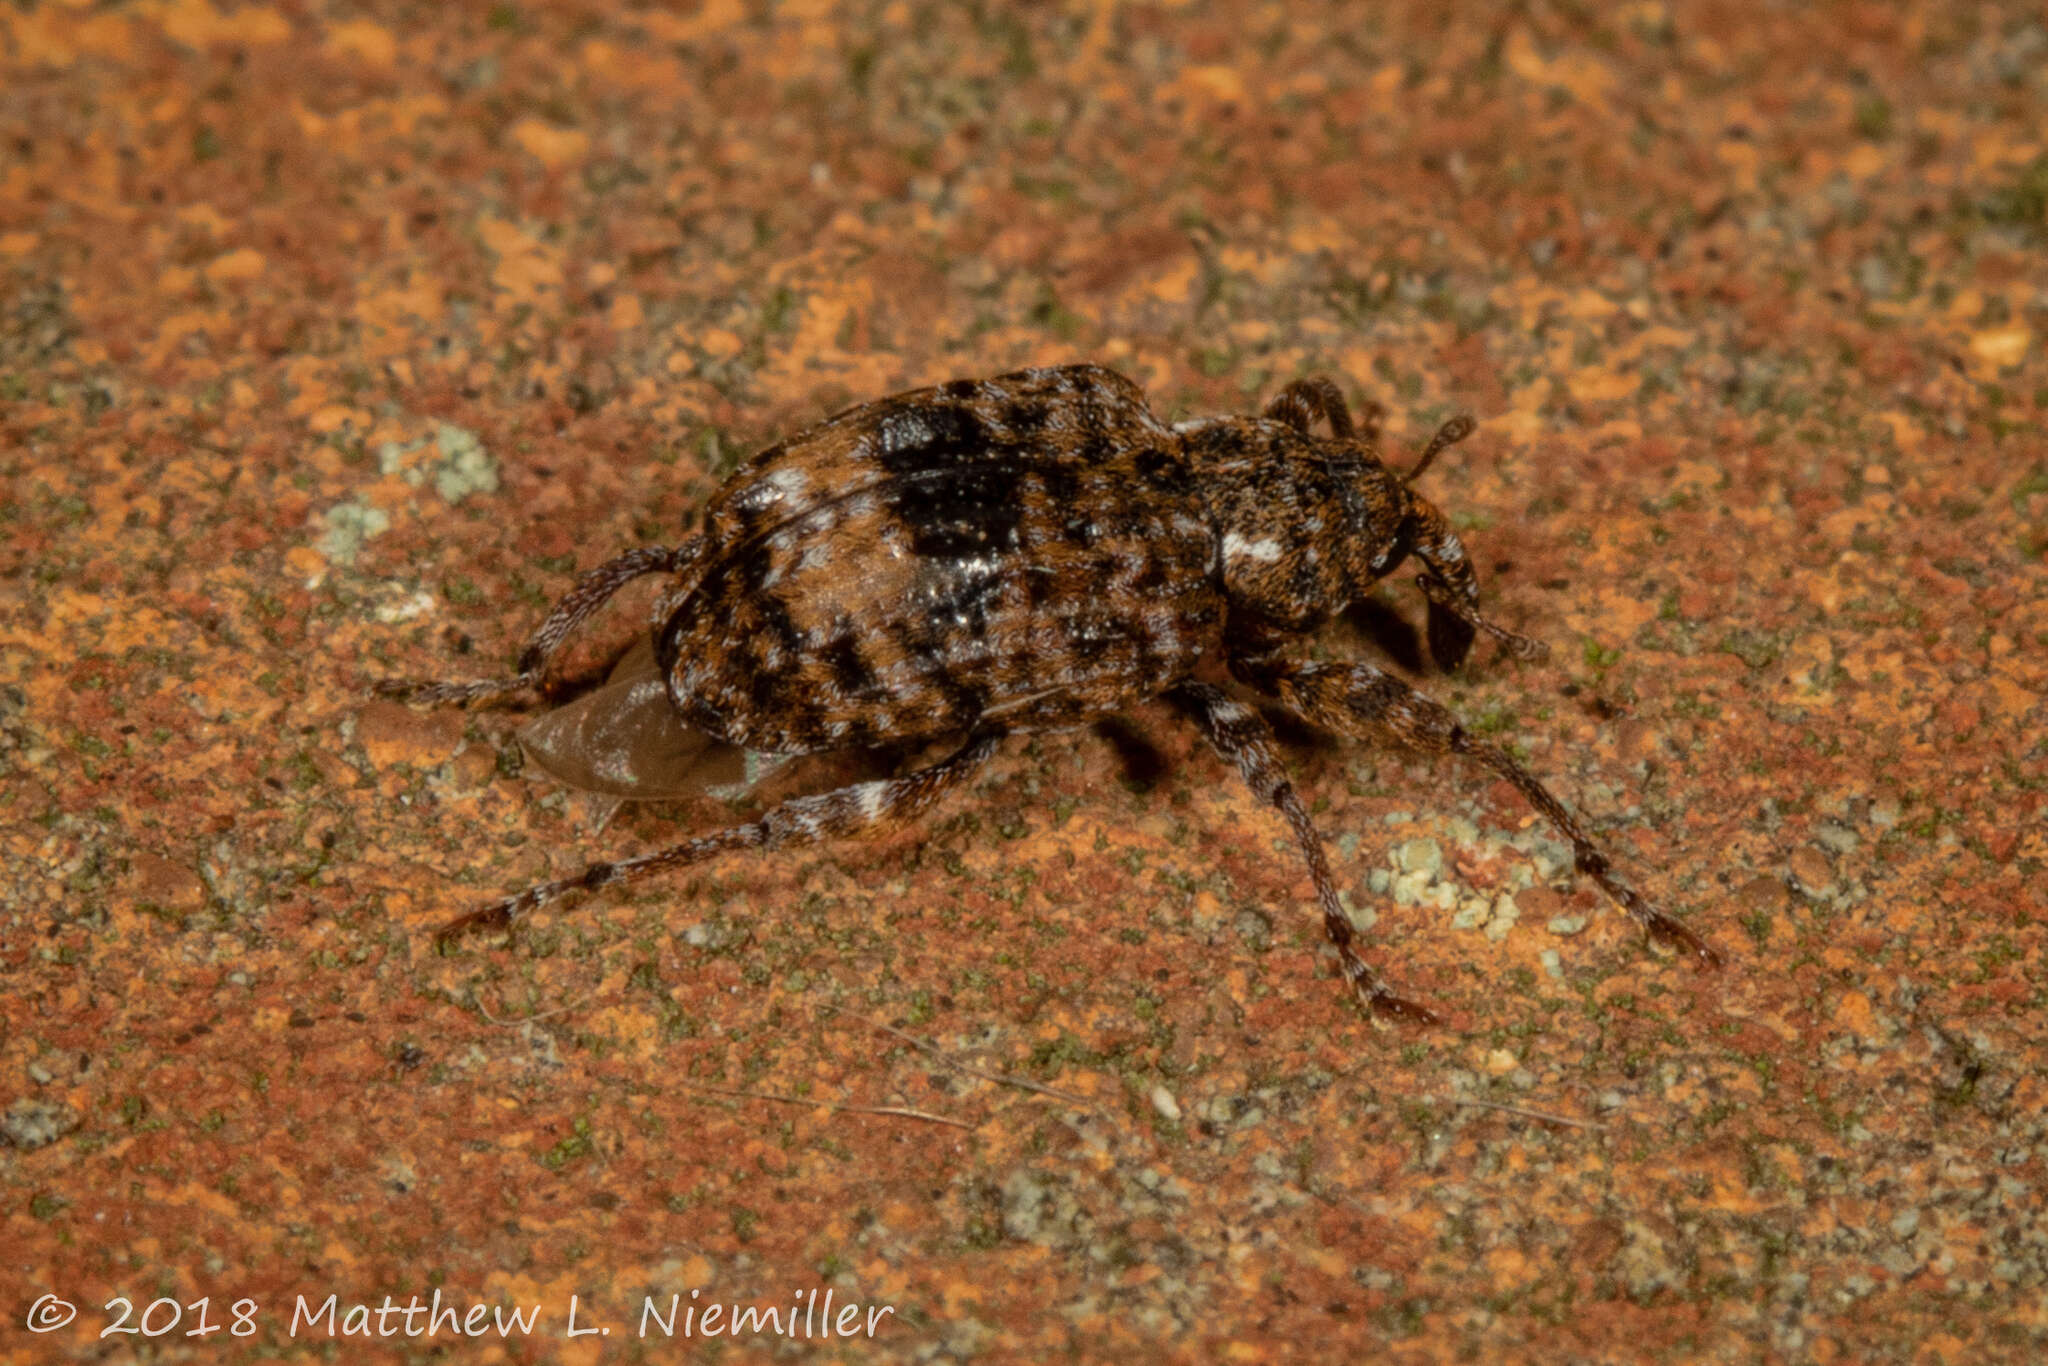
(1447, 436)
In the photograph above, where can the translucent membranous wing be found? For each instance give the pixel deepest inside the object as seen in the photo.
(624, 739)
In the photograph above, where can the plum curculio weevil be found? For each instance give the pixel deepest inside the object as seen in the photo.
(1027, 553)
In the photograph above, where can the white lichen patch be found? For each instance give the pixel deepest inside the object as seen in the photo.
(395, 602)
(453, 460)
(346, 526)
(1424, 870)
(1419, 856)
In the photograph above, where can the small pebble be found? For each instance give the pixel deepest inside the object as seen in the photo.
(1811, 869)
(30, 1123)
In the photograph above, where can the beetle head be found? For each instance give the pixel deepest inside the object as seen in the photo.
(1447, 578)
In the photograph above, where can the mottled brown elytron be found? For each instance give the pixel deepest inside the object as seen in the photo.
(1021, 554)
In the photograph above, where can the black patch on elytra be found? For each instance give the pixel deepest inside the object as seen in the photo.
(851, 672)
(1062, 486)
(860, 733)
(1086, 643)
(1040, 584)
(753, 570)
(1163, 470)
(967, 700)
(1152, 575)
(770, 692)
(961, 611)
(1024, 418)
(965, 510)
(947, 433)
(960, 389)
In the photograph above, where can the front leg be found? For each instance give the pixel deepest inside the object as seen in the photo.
(1240, 735)
(1359, 700)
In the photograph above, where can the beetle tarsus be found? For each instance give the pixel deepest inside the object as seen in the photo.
(496, 916)
(1400, 1009)
(1677, 937)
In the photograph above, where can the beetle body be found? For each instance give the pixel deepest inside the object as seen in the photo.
(1032, 550)
(1037, 549)
(1019, 554)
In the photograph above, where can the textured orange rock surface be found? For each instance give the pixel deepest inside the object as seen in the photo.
(333, 342)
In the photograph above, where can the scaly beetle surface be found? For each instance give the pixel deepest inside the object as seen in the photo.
(1020, 554)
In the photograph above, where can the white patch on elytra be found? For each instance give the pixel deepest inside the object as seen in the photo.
(871, 798)
(788, 482)
(904, 432)
(1235, 546)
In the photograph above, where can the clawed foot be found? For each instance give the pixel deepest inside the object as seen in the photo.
(1520, 646)
(496, 916)
(1403, 1011)
(1669, 932)
(1399, 1009)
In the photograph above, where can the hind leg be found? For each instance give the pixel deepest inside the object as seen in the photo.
(801, 820)
(591, 592)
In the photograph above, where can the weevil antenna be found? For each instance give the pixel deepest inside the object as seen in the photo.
(1447, 436)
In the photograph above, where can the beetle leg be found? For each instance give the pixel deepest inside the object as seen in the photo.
(591, 592)
(1240, 735)
(1305, 400)
(1359, 700)
(801, 820)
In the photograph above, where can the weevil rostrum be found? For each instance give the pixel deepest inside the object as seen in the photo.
(1022, 554)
